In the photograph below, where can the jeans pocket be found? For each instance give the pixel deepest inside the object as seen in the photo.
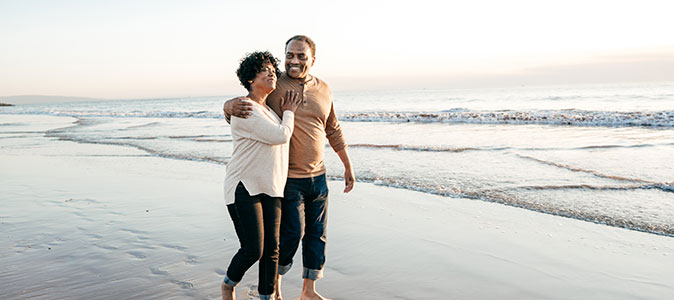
(322, 187)
(293, 190)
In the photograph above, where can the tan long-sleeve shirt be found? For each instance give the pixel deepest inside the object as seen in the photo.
(315, 120)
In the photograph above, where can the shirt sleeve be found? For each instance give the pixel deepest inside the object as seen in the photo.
(333, 131)
(260, 128)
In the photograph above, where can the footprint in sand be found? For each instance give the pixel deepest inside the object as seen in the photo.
(143, 245)
(157, 271)
(106, 247)
(183, 284)
(134, 231)
(181, 248)
(252, 291)
(137, 254)
(191, 260)
(220, 272)
(93, 235)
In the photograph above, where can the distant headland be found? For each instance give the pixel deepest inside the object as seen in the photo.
(35, 99)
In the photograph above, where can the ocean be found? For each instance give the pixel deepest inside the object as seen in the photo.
(598, 153)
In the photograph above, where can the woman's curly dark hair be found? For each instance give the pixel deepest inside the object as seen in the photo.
(252, 64)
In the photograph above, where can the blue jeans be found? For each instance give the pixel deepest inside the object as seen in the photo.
(304, 217)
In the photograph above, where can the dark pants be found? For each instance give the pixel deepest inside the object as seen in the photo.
(305, 204)
(256, 221)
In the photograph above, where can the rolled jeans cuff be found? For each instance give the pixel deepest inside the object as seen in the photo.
(230, 282)
(312, 274)
(282, 270)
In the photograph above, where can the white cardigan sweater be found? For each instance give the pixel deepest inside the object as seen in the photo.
(260, 156)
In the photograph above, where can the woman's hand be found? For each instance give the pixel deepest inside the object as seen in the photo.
(291, 101)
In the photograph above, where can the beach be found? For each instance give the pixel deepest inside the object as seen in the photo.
(103, 221)
(493, 150)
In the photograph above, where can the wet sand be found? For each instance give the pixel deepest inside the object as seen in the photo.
(82, 221)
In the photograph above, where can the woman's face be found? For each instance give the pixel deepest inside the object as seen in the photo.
(266, 78)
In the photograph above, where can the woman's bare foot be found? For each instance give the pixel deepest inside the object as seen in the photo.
(277, 290)
(227, 292)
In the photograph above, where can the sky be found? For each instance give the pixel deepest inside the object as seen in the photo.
(151, 49)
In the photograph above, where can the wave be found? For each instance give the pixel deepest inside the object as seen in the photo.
(213, 140)
(19, 132)
(577, 169)
(122, 114)
(442, 148)
(151, 124)
(665, 187)
(134, 138)
(417, 148)
(505, 197)
(641, 184)
(153, 152)
(187, 136)
(512, 196)
(569, 117)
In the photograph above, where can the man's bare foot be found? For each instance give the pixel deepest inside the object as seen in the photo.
(309, 291)
(277, 290)
(312, 296)
(227, 292)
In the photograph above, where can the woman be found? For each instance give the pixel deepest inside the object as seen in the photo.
(256, 175)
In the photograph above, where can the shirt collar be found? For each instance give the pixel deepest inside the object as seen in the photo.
(307, 81)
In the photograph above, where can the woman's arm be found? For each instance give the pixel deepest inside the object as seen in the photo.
(260, 128)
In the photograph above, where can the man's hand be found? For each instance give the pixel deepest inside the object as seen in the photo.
(349, 179)
(238, 108)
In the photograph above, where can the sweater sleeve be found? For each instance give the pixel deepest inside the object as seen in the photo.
(260, 128)
(333, 131)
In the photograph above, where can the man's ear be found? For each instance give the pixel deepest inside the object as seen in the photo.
(313, 61)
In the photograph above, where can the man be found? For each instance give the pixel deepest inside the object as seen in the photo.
(304, 206)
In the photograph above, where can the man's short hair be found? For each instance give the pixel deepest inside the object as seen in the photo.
(252, 64)
(305, 39)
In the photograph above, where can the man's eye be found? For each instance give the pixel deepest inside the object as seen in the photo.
(289, 55)
(302, 56)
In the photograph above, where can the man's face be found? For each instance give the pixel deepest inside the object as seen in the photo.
(298, 59)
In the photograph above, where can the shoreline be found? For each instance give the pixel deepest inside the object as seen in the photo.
(664, 230)
(109, 222)
(515, 205)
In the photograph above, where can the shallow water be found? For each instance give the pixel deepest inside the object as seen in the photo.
(599, 153)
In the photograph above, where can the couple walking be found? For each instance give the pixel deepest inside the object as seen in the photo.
(276, 189)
